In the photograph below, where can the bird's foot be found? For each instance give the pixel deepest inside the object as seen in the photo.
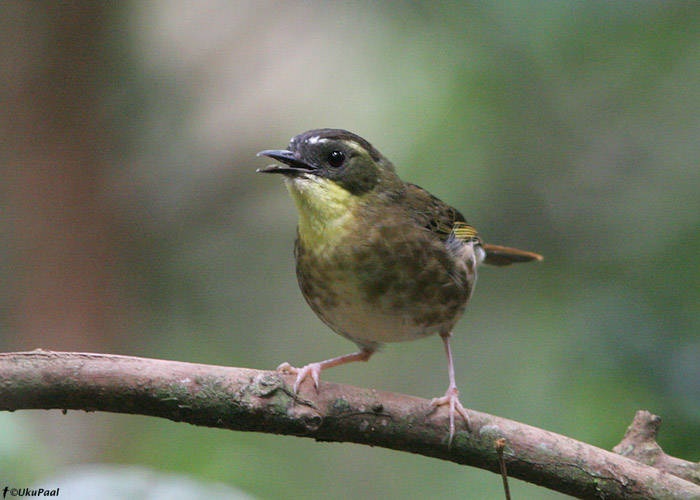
(312, 370)
(451, 398)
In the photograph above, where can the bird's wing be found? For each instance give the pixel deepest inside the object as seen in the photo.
(444, 221)
(450, 226)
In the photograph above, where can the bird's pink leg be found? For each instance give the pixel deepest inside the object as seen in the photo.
(313, 370)
(451, 397)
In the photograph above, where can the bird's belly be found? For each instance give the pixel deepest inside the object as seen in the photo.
(366, 323)
(392, 299)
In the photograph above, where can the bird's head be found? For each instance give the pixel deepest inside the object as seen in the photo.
(332, 157)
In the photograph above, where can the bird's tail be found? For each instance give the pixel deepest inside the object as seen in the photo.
(504, 256)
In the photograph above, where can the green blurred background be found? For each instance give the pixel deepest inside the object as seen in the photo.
(133, 221)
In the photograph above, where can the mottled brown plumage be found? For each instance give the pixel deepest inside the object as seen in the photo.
(396, 271)
(378, 259)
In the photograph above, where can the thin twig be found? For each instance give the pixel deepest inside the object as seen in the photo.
(500, 446)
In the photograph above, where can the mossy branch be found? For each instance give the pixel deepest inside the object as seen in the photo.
(262, 401)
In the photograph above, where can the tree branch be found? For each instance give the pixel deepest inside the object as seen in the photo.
(262, 401)
(640, 444)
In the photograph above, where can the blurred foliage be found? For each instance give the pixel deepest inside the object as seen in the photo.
(109, 482)
(567, 128)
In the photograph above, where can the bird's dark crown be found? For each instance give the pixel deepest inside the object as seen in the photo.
(334, 154)
(333, 135)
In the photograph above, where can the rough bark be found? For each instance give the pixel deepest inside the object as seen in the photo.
(262, 401)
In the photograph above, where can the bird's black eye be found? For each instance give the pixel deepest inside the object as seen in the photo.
(336, 158)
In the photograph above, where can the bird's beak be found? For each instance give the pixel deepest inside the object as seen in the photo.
(292, 165)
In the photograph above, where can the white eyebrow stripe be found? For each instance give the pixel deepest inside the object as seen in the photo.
(356, 146)
(316, 139)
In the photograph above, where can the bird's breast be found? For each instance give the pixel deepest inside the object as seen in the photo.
(380, 282)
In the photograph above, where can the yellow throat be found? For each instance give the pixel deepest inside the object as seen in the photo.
(325, 210)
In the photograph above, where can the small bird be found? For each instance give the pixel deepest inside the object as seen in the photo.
(378, 259)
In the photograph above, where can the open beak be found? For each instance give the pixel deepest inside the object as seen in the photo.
(292, 165)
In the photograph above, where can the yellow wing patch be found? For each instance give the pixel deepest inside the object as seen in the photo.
(455, 231)
(460, 231)
(464, 232)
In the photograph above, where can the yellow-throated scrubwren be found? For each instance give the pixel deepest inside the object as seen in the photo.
(378, 259)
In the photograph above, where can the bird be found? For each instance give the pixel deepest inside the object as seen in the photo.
(378, 259)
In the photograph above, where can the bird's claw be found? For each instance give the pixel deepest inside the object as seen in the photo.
(451, 398)
(312, 370)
